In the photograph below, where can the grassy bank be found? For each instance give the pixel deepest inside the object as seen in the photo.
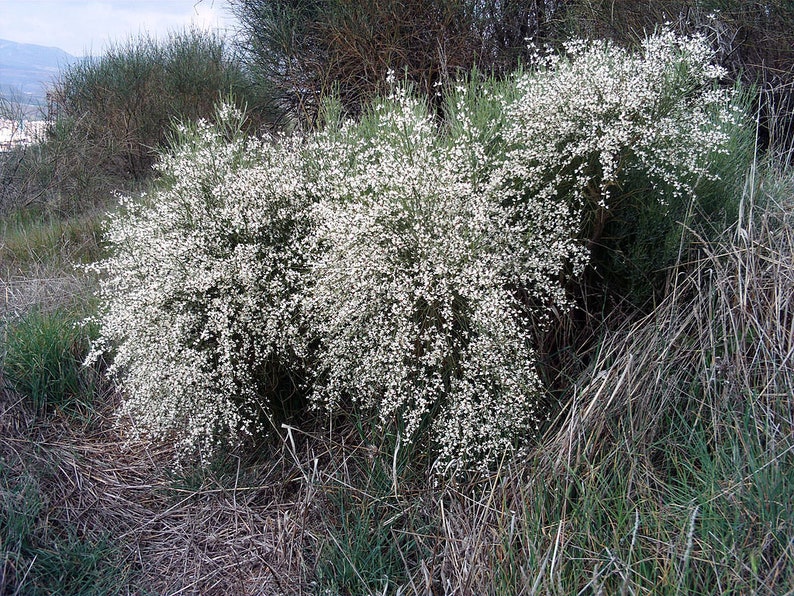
(670, 472)
(660, 349)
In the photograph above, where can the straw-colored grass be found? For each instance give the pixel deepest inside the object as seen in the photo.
(237, 530)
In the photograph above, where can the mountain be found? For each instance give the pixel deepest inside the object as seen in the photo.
(27, 70)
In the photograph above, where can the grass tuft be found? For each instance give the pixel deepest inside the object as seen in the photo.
(43, 360)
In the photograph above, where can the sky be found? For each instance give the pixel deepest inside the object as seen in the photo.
(86, 27)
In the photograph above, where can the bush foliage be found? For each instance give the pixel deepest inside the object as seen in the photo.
(118, 108)
(199, 299)
(393, 265)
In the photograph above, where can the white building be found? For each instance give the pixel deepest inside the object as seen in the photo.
(19, 133)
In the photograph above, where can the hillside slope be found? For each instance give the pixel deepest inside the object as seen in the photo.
(27, 70)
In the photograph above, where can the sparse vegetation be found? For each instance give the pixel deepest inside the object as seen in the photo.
(664, 361)
(38, 558)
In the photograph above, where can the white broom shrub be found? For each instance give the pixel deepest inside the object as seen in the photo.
(439, 246)
(198, 297)
(587, 120)
(415, 293)
(412, 256)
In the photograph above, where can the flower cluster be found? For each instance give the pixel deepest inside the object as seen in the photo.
(396, 263)
(585, 120)
(415, 295)
(199, 297)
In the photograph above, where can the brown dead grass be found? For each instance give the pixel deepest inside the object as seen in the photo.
(221, 536)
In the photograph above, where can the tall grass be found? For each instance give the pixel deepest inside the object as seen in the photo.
(43, 359)
(672, 470)
(110, 115)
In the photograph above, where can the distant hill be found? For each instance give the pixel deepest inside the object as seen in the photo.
(27, 70)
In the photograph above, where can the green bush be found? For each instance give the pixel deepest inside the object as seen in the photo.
(117, 109)
(306, 51)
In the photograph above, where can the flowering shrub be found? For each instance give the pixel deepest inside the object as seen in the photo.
(629, 140)
(412, 256)
(439, 247)
(586, 121)
(414, 289)
(198, 298)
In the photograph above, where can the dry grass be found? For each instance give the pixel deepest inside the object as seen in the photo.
(229, 532)
(726, 328)
(38, 254)
(20, 294)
